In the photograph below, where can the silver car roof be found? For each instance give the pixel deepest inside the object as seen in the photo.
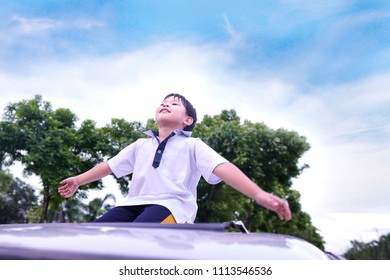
(149, 241)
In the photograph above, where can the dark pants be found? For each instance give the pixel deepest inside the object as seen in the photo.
(150, 213)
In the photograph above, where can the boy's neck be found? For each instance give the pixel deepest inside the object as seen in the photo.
(164, 132)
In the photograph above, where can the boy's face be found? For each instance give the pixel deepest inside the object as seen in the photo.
(172, 114)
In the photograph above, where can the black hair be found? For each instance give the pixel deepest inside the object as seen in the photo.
(190, 110)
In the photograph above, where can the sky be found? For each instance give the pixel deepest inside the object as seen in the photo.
(320, 68)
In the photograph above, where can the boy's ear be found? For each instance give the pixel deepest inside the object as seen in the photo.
(188, 121)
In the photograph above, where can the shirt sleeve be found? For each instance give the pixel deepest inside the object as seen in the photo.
(206, 160)
(123, 163)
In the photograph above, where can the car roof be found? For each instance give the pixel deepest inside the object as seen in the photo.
(149, 241)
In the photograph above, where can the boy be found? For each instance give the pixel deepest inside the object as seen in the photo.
(166, 170)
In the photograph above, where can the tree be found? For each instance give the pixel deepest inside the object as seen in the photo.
(270, 158)
(16, 198)
(374, 250)
(48, 144)
(97, 207)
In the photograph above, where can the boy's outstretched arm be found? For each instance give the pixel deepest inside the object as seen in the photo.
(71, 184)
(234, 177)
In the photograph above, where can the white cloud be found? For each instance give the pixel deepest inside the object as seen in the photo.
(127, 85)
(237, 37)
(35, 25)
(42, 25)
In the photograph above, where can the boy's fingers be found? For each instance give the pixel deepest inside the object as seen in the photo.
(283, 209)
(287, 211)
(64, 182)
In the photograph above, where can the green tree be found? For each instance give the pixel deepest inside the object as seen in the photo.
(374, 250)
(270, 158)
(97, 207)
(16, 198)
(48, 144)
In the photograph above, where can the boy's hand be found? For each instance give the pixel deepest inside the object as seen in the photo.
(70, 186)
(276, 204)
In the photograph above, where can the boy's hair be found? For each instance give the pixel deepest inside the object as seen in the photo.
(190, 110)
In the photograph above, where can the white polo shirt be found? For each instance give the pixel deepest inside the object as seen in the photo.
(173, 183)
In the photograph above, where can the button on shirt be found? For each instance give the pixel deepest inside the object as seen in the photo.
(171, 182)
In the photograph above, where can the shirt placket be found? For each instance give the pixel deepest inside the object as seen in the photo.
(160, 150)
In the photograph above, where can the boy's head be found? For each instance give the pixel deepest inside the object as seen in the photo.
(189, 109)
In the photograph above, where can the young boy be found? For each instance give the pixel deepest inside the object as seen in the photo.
(166, 170)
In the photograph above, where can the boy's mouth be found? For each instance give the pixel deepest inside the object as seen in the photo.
(164, 110)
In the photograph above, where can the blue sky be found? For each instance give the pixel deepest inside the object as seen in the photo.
(277, 36)
(321, 68)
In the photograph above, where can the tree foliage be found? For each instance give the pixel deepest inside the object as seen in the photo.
(49, 145)
(97, 207)
(16, 198)
(374, 250)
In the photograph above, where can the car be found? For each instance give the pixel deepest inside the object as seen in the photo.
(143, 241)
